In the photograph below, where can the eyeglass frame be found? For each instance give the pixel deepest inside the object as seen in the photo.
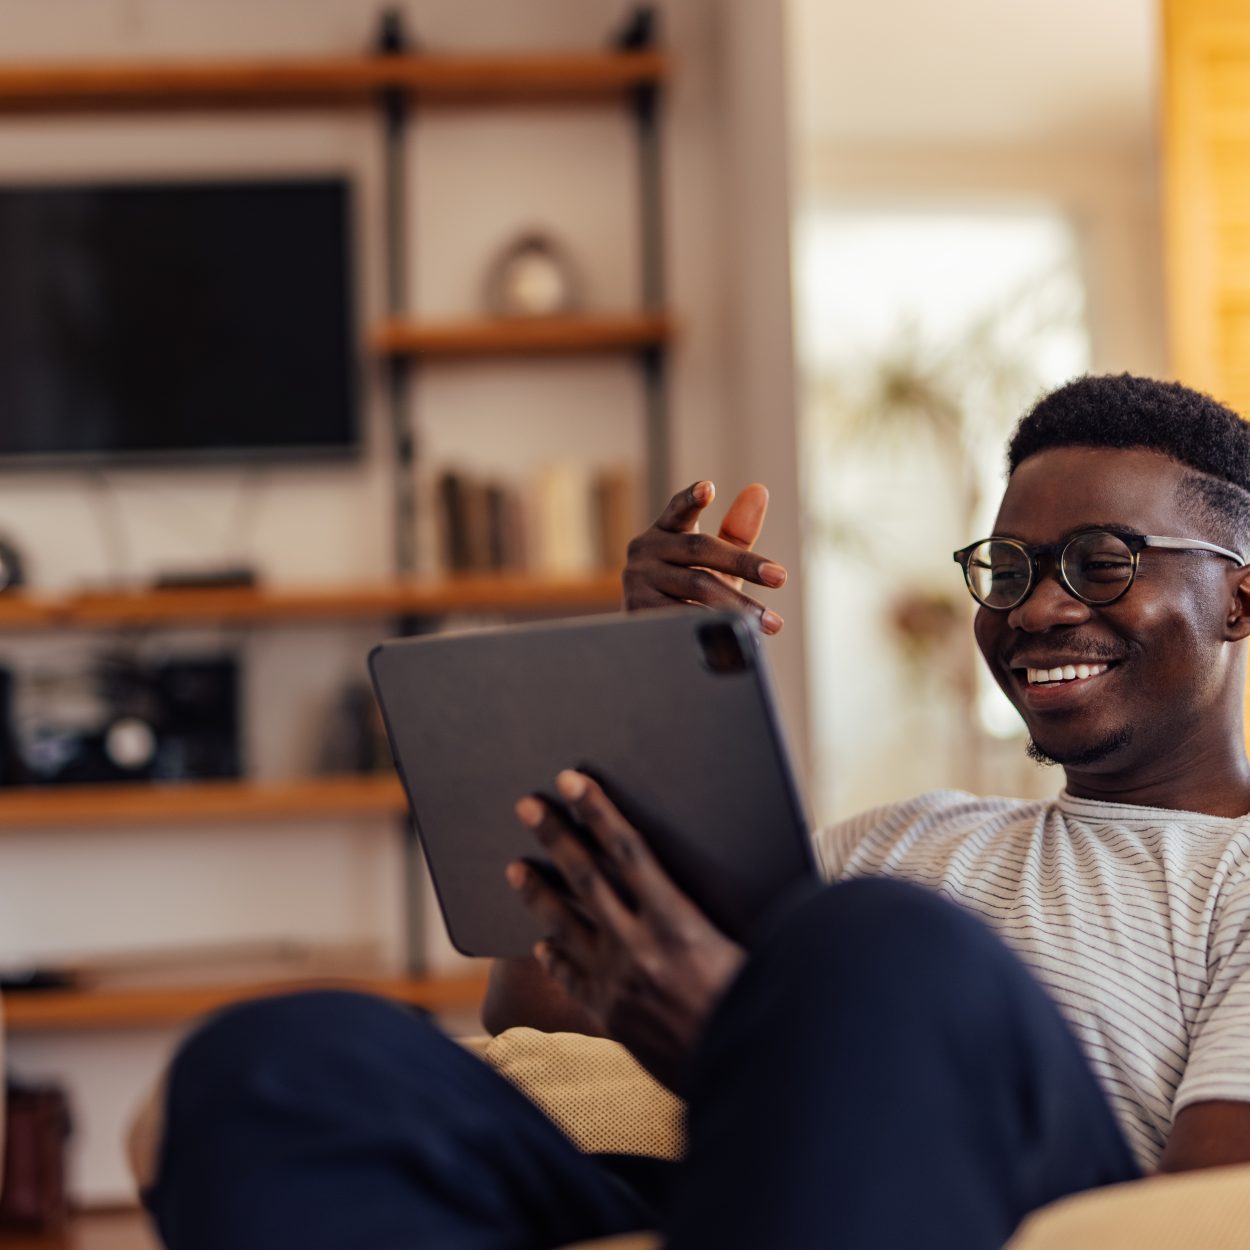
(1033, 552)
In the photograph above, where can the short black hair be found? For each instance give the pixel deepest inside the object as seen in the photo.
(1123, 411)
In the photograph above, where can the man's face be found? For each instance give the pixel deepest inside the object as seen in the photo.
(1169, 668)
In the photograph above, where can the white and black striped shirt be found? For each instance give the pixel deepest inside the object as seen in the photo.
(1135, 919)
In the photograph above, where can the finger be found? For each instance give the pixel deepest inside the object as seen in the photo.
(700, 586)
(554, 961)
(624, 846)
(681, 516)
(592, 892)
(718, 554)
(641, 595)
(552, 913)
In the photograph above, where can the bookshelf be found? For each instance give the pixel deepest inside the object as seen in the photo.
(392, 82)
(533, 337)
(328, 82)
(43, 1011)
(92, 807)
(480, 592)
(390, 87)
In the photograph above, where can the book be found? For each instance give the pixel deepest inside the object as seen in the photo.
(564, 520)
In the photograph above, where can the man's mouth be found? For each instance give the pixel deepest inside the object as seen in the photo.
(1063, 686)
(1062, 673)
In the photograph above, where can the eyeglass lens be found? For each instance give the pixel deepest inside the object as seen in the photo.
(1097, 565)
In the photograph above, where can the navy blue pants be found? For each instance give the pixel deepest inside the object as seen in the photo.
(883, 1075)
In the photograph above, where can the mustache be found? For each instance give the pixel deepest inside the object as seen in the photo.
(1095, 649)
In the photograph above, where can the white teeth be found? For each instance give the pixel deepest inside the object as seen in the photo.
(1068, 672)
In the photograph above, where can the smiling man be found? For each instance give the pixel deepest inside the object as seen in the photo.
(1114, 605)
(1131, 602)
(995, 1002)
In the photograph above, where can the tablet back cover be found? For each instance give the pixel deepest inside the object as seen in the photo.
(678, 727)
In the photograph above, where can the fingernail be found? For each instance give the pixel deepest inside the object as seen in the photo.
(703, 492)
(570, 784)
(773, 574)
(529, 812)
(771, 622)
(515, 874)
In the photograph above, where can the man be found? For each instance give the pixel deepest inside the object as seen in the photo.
(884, 1068)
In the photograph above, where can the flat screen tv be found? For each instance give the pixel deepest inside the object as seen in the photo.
(181, 321)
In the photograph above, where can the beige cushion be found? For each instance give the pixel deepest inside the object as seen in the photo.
(1207, 1210)
(628, 1241)
(592, 1089)
(1198, 1211)
(604, 1101)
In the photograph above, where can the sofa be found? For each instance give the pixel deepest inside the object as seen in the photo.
(597, 1094)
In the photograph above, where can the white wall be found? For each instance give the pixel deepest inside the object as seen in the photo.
(1111, 195)
(761, 405)
(477, 178)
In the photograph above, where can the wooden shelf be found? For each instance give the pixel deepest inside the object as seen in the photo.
(198, 802)
(34, 1011)
(545, 336)
(68, 87)
(520, 593)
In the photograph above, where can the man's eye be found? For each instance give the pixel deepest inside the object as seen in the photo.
(1006, 574)
(1106, 569)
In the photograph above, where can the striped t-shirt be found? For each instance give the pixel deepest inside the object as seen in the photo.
(1135, 919)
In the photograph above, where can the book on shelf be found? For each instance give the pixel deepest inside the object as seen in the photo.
(565, 520)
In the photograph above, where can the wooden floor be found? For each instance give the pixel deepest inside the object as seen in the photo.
(123, 1230)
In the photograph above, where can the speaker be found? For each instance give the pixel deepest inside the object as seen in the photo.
(173, 720)
(197, 725)
(11, 575)
(12, 771)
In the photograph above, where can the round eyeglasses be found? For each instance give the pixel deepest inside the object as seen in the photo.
(1095, 566)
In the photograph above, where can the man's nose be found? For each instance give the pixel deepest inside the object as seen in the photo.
(1049, 604)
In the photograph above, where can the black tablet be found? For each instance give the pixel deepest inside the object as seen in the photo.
(670, 711)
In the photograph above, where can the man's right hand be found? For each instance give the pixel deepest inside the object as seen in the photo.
(672, 563)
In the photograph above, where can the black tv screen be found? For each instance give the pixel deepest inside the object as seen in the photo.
(176, 321)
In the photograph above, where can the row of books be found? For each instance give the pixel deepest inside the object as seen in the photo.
(566, 520)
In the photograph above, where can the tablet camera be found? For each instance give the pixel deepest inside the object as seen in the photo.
(722, 647)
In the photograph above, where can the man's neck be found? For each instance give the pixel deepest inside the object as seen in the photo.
(1214, 784)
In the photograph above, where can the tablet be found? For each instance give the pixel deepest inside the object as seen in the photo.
(670, 711)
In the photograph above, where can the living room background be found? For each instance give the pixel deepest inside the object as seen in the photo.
(775, 111)
(476, 179)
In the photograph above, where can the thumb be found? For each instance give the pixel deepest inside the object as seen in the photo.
(745, 516)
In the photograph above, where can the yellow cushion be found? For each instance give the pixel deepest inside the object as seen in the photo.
(1207, 1210)
(592, 1089)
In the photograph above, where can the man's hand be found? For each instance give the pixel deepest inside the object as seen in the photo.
(673, 563)
(638, 956)
(520, 994)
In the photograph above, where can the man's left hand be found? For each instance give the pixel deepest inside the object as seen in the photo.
(642, 959)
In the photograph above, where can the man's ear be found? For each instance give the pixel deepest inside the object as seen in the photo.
(1237, 626)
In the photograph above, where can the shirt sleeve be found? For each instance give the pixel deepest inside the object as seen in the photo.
(881, 828)
(1219, 1047)
(834, 843)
